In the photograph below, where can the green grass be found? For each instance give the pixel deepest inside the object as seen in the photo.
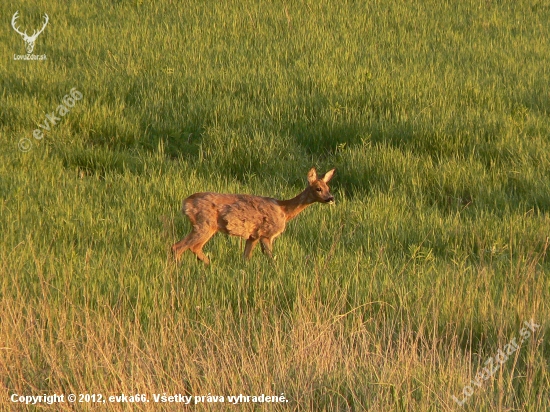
(435, 115)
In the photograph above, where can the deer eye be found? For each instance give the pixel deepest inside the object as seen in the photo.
(319, 189)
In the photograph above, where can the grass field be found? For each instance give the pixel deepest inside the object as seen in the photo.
(435, 115)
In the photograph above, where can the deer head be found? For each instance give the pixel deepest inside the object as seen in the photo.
(29, 40)
(318, 186)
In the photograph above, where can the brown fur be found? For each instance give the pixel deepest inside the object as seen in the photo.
(253, 218)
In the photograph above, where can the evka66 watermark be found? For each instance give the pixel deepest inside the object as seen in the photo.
(29, 40)
(52, 118)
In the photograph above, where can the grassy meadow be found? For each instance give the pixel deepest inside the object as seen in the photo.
(435, 115)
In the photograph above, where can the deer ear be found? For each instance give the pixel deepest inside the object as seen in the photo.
(328, 175)
(312, 175)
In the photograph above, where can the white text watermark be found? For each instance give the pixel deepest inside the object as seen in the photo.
(492, 365)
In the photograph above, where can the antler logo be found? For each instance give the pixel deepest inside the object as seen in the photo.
(29, 40)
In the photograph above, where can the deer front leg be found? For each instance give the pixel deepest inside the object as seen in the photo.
(250, 243)
(266, 246)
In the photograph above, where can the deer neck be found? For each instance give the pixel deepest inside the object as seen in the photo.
(294, 206)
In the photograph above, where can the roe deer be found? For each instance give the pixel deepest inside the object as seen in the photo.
(253, 218)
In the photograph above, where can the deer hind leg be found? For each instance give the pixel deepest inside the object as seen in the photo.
(250, 243)
(179, 247)
(186, 243)
(194, 241)
(196, 248)
(266, 246)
